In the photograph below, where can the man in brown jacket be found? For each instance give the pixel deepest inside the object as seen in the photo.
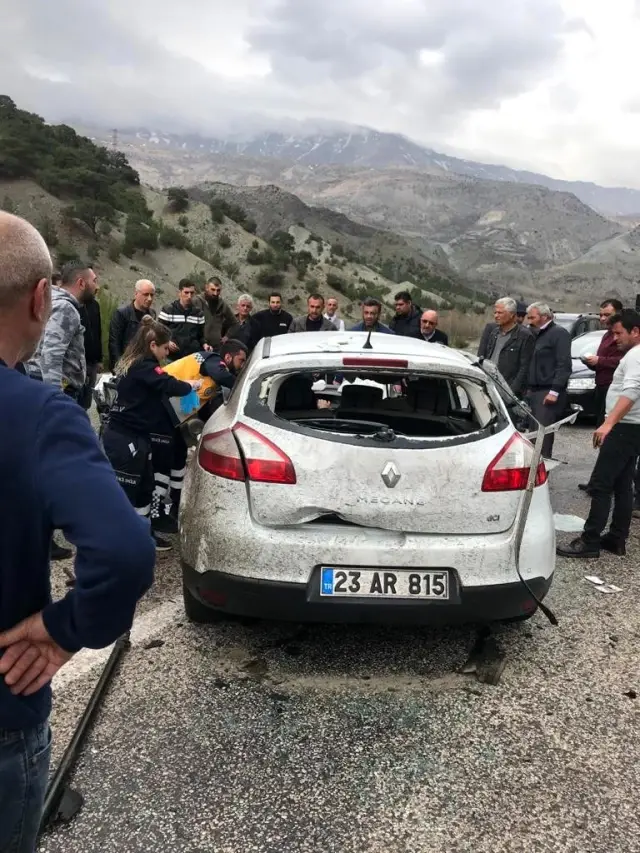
(218, 316)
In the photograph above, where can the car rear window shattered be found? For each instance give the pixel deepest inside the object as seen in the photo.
(380, 406)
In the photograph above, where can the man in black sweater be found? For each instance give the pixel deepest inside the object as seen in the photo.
(407, 319)
(92, 322)
(55, 475)
(126, 320)
(549, 370)
(430, 331)
(185, 321)
(269, 323)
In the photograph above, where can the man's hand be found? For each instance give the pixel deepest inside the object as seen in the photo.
(600, 434)
(31, 658)
(591, 360)
(207, 348)
(173, 346)
(550, 399)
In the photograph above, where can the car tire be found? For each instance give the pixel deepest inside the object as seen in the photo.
(198, 612)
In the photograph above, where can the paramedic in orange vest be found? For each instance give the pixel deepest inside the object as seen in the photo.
(216, 370)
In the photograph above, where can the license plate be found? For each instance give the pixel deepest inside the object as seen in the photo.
(382, 583)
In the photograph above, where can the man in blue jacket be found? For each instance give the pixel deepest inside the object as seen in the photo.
(54, 475)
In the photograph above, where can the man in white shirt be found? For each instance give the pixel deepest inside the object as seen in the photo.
(619, 441)
(331, 314)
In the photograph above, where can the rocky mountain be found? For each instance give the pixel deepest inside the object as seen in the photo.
(497, 235)
(361, 147)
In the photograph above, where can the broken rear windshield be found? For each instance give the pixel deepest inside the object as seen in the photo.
(380, 406)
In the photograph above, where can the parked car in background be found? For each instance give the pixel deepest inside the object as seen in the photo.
(578, 324)
(398, 499)
(582, 383)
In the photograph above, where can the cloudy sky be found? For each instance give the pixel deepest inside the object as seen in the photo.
(552, 85)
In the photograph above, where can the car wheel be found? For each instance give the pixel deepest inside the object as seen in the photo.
(198, 612)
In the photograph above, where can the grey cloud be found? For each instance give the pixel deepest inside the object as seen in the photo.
(489, 50)
(343, 60)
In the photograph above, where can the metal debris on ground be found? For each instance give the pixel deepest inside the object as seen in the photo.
(486, 660)
(568, 523)
(601, 586)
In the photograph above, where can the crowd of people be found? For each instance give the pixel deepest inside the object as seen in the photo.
(205, 321)
(533, 354)
(200, 340)
(166, 368)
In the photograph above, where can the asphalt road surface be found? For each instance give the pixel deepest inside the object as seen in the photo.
(273, 738)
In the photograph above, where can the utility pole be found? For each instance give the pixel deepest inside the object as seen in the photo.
(114, 139)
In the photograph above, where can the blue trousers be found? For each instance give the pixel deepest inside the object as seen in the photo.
(24, 772)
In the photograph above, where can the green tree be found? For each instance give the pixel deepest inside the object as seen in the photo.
(270, 278)
(183, 222)
(217, 214)
(47, 228)
(178, 199)
(172, 238)
(216, 260)
(66, 253)
(108, 305)
(139, 235)
(91, 212)
(115, 250)
(254, 257)
(250, 225)
(224, 240)
(283, 242)
(232, 270)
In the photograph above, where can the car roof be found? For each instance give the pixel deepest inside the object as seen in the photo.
(352, 343)
(599, 333)
(560, 315)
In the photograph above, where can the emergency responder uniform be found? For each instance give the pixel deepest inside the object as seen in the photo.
(139, 437)
(214, 374)
(186, 326)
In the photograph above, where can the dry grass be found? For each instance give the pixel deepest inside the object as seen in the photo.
(464, 329)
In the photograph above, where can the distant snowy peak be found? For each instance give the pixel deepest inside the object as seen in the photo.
(361, 147)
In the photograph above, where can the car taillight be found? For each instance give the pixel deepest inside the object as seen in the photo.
(509, 471)
(219, 454)
(242, 453)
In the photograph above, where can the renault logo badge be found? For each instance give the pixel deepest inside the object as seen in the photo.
(390, 475)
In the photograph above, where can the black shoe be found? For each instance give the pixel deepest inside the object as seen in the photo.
(579, 549)
(161, 544)
(165, 524)
(584, 487)
(608, 543)
(58, 552)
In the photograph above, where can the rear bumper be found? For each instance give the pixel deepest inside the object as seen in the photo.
(300, 602)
